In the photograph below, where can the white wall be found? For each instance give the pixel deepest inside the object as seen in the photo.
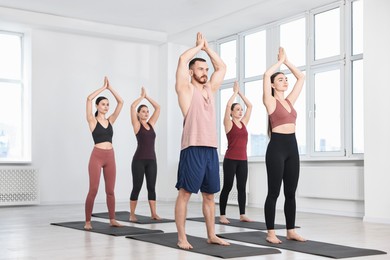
(66, 68)
(376, 108)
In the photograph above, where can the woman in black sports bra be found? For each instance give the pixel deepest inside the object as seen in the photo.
(102, 156)
(144, 160)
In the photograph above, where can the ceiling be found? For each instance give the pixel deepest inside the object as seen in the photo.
(179, 19)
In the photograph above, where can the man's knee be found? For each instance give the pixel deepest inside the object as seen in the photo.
(184, 194)
(208, 196)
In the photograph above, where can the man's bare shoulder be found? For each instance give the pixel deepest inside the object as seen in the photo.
(184, 88)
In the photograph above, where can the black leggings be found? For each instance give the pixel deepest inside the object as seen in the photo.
(282, 162)
(139, 168)
(231, 168)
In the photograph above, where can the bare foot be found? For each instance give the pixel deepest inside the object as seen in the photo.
(244, 218)
(88, 225)
(292, 235)
(184, 245)
(223, 220)
(114, 223)
(156, 217)
(273, 239)
(133, 218)
(216, 240)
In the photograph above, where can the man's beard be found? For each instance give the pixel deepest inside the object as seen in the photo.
(201, 80)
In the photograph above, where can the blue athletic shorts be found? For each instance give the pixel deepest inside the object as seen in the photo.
(199, 169)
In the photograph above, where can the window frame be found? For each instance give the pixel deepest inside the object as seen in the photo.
(343, 61)
(25, 83)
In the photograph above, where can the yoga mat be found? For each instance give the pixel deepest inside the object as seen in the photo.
(124, 216)
(202, 247)
(237, 223)
(105, 228)
(308, 247)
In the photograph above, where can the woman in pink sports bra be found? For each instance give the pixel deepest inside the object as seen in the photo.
(282, 156)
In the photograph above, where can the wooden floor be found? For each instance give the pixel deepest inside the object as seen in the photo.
(26, 233)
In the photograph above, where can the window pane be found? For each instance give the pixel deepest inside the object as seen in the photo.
(293, 40)
(357, 27)
(327, 117)
(255, 54)
(10, 53)
(11, 122)
(327, 34)
(258, 124)
(357, 103)
(300, 107)
(224, 95)
(228, 55)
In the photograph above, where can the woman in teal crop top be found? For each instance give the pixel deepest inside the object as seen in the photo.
(102, 156)
(282, 156)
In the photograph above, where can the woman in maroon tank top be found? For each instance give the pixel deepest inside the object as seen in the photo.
(235, 161)
(144, 159)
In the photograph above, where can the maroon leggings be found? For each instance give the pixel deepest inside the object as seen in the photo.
(101, 158)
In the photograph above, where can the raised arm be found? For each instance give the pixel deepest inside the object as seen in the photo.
(227, 122)
(248, 111)
(218, 75)
(90, 116)
(294, 94)
(112, 118)
(133, 111)
(182, 75)
(268, 100)
(154, 117)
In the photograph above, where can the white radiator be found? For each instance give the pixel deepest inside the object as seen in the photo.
(233, 195)
(344, 183)
(19, 187)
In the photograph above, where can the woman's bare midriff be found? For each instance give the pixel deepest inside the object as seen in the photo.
(284, 129)
(104, 145)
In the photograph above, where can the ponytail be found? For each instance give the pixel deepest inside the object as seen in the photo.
(98, 101)
(273, 94)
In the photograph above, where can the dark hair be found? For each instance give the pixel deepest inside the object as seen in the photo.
(273, 76)
(233, 106)
(192, 62)
(98, 101)
(139, 109)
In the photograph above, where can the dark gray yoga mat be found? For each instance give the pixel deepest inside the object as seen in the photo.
(202, 247)
(237, 223)
(105, 228)
(308, 247)
(124, 216)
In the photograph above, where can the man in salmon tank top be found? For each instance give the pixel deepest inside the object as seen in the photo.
(198, 164)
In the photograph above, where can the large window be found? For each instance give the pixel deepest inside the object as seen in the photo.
(293, 37)
(327, 34)
(255, 54)
(14, 129)
(228, 55)
(327, 111)
(327, 45)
